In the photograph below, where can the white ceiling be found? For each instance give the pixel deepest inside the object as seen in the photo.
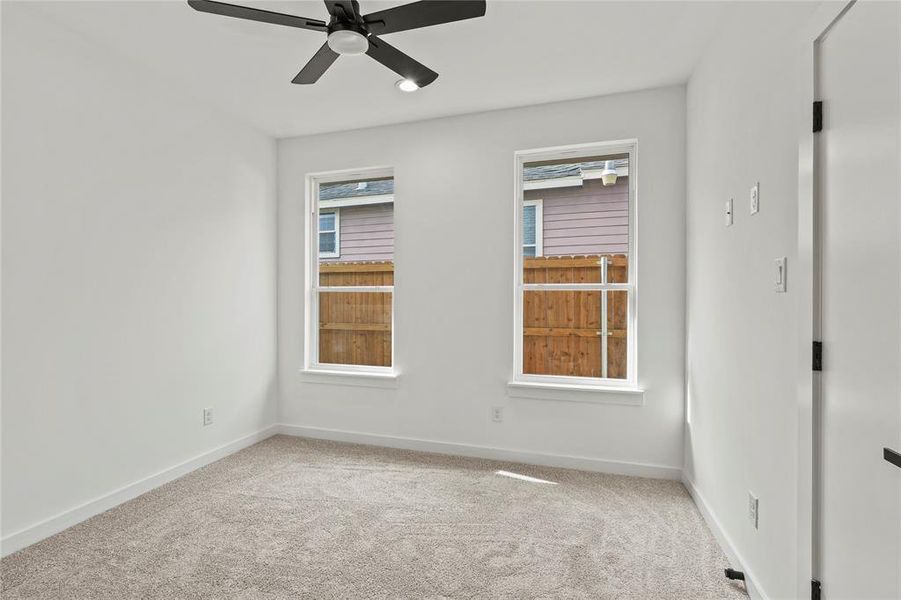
(520, 53)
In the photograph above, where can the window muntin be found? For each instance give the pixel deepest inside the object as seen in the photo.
(352, 279)
(575, 300)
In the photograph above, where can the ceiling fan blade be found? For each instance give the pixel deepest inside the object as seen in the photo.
(256, 14)
(400, 63)
(317, 65)
(423, 14)
(345, 10)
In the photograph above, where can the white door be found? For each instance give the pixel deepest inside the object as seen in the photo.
(858, 165)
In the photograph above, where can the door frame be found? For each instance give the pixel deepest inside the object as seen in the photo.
(809, 297)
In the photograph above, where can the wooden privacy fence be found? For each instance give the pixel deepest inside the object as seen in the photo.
(355, 327)
(562, 330)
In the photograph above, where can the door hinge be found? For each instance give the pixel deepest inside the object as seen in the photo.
(818, 356)
(817, 116)
(814, 589)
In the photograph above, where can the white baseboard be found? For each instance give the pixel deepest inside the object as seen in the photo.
(504, 454)
(44, 529)
(755, 591)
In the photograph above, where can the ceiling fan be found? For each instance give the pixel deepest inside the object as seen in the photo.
(349, 32)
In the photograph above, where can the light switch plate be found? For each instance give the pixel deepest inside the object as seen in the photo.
(729, 212)
(753, 510)
(780, 274)
(755, 198)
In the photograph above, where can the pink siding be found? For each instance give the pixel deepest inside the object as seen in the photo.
(366, 233)
(590, 219)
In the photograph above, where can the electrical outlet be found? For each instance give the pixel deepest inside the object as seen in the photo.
(207, 416)
(753, 509)
(755, 198)
(497, 414)
(729, 212)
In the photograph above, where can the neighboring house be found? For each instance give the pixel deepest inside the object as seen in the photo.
(567, 210)
(356, 221)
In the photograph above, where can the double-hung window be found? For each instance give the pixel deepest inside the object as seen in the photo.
(575, 267)
(350, 290)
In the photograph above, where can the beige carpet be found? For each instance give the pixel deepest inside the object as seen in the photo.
(296, 518)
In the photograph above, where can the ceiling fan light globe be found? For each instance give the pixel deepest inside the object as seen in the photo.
(348, 42)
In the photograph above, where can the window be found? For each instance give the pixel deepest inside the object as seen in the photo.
(575, 273)
(351, 272)
(329, 241)
(532, 228)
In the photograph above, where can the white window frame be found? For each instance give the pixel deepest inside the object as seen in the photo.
(311, 278)
(539, 225)
(337, 232)
(630, 383)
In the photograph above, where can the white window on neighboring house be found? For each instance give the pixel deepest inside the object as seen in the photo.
(532, 228)
(329, 234)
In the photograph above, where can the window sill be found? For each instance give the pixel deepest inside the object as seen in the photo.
(565, 392)
(385, 379)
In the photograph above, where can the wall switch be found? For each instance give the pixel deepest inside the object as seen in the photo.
(780, 274)
(207, 416)
(753, 509)
(755, 198)
(497, 413)
(728, 212)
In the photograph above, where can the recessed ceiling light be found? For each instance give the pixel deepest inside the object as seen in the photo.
(405, 85)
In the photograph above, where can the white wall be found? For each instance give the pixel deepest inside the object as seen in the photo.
(138, 249)
(454, 298)
(742, 341)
